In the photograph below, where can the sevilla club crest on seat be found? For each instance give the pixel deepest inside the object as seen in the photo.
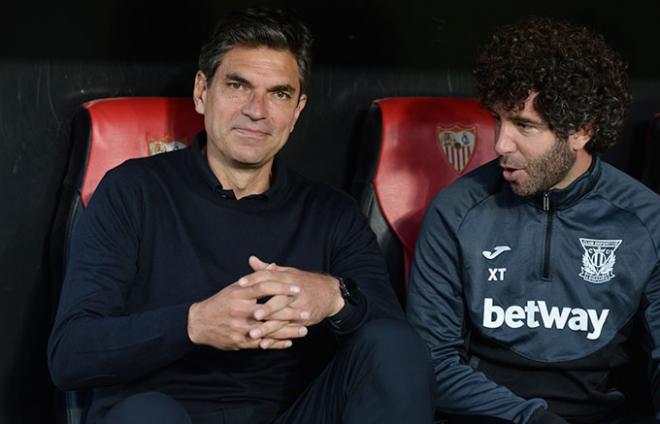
(165, 144)
(457, 144)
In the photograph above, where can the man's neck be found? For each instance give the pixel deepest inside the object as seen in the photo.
(581, 165)
(244, 181)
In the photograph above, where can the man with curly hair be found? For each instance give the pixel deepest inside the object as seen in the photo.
(531, 272)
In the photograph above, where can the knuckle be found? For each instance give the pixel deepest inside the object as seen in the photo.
(267, 273)
(235, 326)
(261, 287)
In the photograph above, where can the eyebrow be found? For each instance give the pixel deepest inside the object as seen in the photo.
(527, 121)
(282, 87)
(237, 78)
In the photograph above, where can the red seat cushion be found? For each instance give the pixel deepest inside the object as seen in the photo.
(427, 143)
(125, 128)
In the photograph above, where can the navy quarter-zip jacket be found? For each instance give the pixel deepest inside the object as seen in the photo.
(528, 302)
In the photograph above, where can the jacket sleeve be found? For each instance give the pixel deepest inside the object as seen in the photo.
(356, 255)
(94, 342)
(651, 317)
(436, 309)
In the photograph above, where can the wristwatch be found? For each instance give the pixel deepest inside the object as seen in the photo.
(349, 290)
(352, 299)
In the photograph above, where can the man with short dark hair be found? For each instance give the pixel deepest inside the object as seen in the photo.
(531, 272)
(213, 285)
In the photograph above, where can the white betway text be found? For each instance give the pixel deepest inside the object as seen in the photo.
(536, 313)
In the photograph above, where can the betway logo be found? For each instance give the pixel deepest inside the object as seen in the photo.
(517, 316)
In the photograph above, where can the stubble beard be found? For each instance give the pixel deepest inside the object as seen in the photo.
(547, 170)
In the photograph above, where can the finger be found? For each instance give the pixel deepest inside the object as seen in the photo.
(289, 314)
(273, 305)
(291, 331)
(266, 328)
(275, 344)
(257, 264)
(268, 288)
(269, 273)
(275, 267)
(247, 342)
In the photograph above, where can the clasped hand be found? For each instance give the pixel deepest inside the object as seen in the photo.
(233, 319)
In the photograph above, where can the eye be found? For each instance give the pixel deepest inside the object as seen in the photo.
(234, 85)
(527, 127)
(282, 95)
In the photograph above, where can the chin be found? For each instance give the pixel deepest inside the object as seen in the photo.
(249, 157)
(522, 190)
(250, 161)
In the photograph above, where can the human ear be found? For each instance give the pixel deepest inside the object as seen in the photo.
(302, 101)
(199, 91)
(579, 139)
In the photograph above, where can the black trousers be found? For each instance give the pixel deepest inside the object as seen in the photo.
(382, 374)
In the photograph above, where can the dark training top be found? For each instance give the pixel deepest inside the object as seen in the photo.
(528, 302)
(160, 234)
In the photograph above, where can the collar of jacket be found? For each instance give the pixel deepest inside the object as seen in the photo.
(557, 199)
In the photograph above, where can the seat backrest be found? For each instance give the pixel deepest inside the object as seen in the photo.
(105, 133)
(125, 128)
(416, 146)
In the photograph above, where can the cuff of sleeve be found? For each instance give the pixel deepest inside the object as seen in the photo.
(174, 322)
(349, 319)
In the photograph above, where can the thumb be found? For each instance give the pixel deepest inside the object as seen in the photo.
(257, 264)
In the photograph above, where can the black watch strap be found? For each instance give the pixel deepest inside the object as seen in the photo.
(349, 290)
(354, 310)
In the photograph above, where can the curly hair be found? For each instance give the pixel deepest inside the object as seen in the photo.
(581, 82)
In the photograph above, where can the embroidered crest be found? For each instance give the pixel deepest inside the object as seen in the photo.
(165, 144)
(457, 144)
(598, 260)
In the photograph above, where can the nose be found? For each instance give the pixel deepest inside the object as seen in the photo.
(255, 107)
(504, 143)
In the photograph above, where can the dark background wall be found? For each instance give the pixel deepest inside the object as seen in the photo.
(55, 56)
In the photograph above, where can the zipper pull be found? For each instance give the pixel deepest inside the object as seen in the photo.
(546, 201)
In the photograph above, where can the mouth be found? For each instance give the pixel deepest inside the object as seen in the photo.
(511, 173)
(251, 132)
